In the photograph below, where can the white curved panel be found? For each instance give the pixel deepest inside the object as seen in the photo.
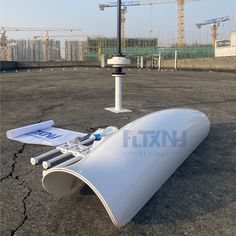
(131, 165)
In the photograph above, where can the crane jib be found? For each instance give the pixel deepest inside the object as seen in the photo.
(216, 20)
(139, 3)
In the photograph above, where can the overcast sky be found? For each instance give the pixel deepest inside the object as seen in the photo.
(161, 20)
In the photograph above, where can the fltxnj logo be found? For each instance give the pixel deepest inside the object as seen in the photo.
(154, 138)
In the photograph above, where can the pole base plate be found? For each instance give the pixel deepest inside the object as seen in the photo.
(114, 110)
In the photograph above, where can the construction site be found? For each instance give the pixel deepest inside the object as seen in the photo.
(91, 48)
(88, 81)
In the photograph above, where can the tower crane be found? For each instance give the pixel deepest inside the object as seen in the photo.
(215, 23)
(4, 30)
(125, 4)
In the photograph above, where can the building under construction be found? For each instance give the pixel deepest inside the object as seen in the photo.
(147, 47)
(32, 50)
(91, 49)
(103, 45)
(75, 50)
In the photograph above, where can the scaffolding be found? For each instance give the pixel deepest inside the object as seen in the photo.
(102, 45)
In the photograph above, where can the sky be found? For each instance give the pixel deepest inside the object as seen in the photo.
(142, 21)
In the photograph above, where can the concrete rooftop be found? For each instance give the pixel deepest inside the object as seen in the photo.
(199, 199)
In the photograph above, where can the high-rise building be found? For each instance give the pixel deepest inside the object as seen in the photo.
(75, 50)
(33, 50)
(54, 50)
(38, 50)
(17, 50)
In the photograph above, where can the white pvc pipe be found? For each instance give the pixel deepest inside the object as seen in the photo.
(49, 163)
(118, 92)
(176, 58)
(103, 61)
(138, 62)
(130, 166)
(69, 162)
(90, 139)
(41, 158)
(141, 62)
(159, 62)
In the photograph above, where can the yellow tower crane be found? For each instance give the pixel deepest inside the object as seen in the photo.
(123, 19)
(215, 23)
(181, 31)
(4, 30)
(180, 3)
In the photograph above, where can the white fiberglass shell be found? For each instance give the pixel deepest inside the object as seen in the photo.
(131, 165)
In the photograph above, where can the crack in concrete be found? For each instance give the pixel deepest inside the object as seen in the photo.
(21, 150)
(23, 183)
(25, 216)
(13, 165)
(44, 110)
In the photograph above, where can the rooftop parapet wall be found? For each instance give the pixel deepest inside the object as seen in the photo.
(8, 65)
(219, 63)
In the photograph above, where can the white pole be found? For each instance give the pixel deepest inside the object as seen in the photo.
(176, 58)
(118, 96)
(103, 61)
(118, 92)
(159, 61)
(141, 62)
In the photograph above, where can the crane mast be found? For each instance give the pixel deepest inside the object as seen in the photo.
(4, 45)
(123, 19)
(181, 32)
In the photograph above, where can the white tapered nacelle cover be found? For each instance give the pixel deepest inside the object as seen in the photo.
(131, 165)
